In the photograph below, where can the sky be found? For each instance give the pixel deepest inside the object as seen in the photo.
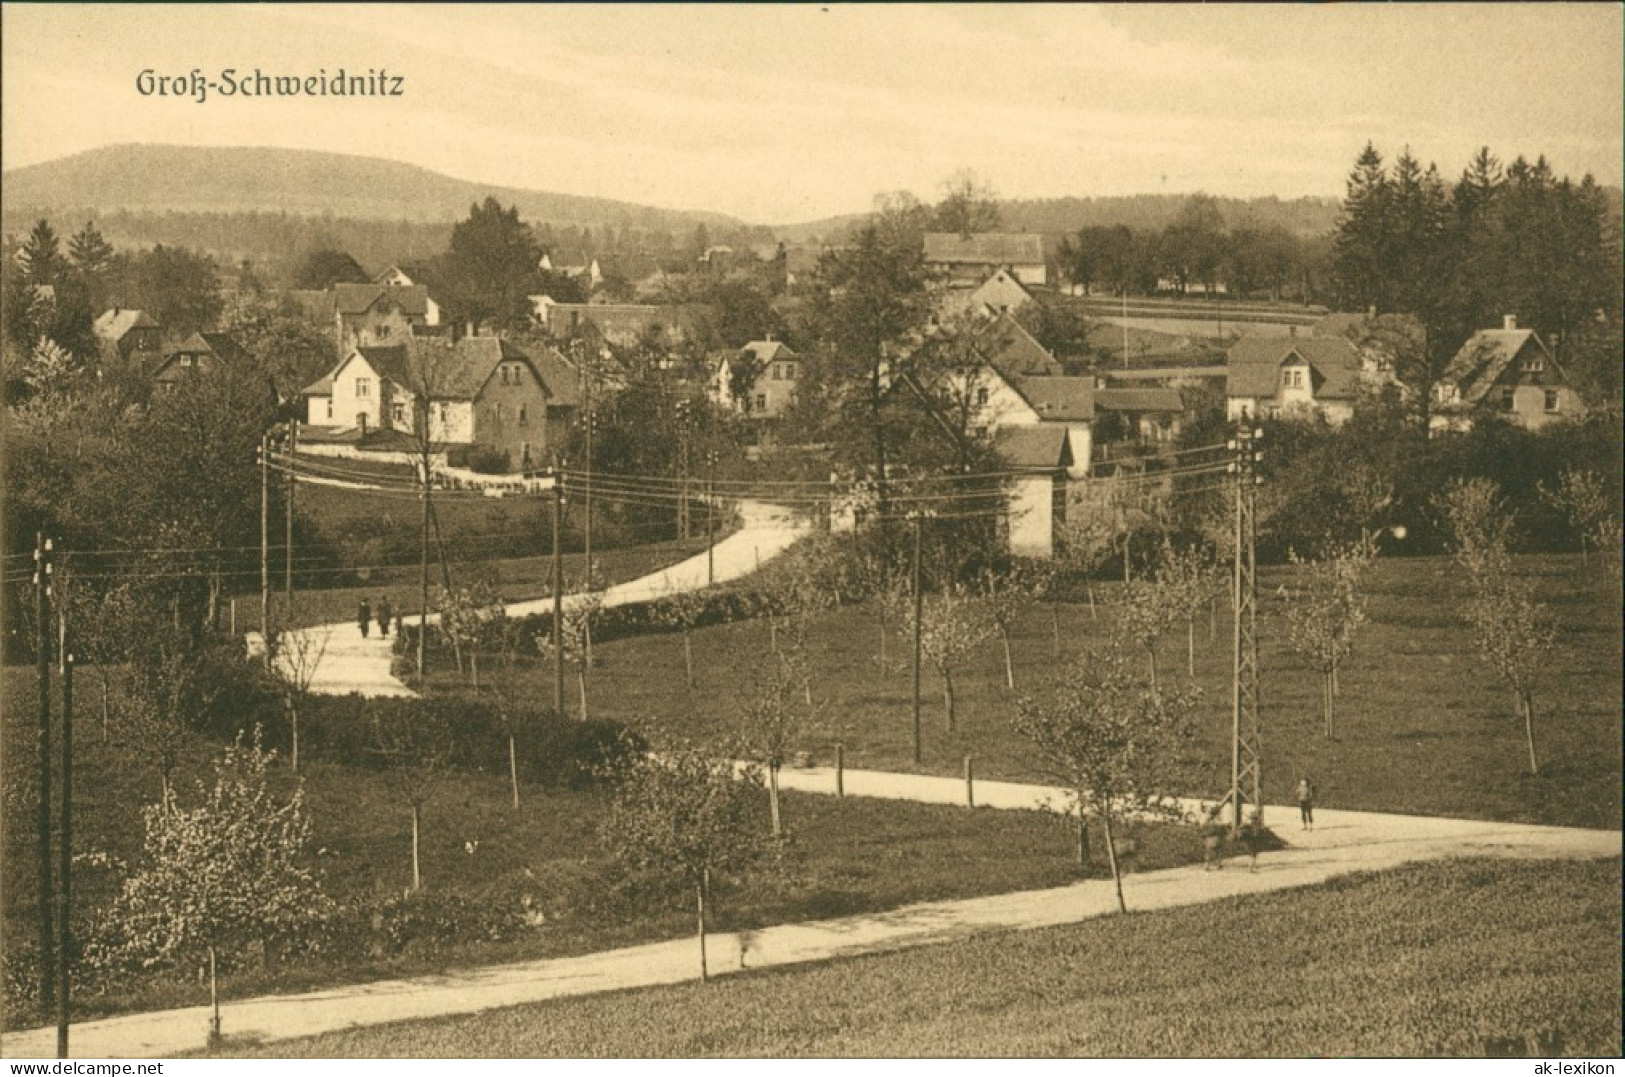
(785, 113)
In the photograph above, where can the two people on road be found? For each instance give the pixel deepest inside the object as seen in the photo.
(364, 616)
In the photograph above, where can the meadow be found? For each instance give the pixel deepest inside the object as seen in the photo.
(1423, 726)
(1396, 964)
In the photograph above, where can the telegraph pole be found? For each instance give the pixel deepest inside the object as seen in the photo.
(586, 477)
(558, 588)
(293, 447)
(423, 432)
(265, 544)
(919, 605)
(682, 470)
(42, 657)
(710, 517)
(64, 893)
(1245, 748)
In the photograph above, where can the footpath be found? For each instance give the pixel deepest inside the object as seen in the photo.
(352, 663)
(1341, 842)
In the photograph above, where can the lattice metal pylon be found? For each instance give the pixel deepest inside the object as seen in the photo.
(1246, 762)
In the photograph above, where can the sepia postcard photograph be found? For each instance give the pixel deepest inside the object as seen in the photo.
(811, 531)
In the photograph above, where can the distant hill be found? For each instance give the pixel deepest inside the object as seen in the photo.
(1305, 217)
(208, 179)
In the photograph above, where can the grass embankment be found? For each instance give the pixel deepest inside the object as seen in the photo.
(1423, 726)
(515, 578)
(1463, 958)
(500, 884)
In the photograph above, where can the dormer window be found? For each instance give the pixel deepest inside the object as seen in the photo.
(1534, 365)
(1292, 377)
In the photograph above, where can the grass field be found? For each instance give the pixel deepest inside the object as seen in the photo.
(516, 578)
(1424, 725)
(486, 866)
(1396, 964)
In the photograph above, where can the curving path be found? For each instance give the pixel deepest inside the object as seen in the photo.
(1342, 842)
(350, 662)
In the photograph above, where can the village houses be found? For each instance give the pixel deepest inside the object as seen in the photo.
(759, 380)
(1507, 370)
(481, 391)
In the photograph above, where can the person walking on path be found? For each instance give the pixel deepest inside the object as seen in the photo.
(384, 612)
(1306, 803)
(364, 617)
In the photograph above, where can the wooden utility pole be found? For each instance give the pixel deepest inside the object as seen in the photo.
(287, 583)
(682, 470)
(42, 655)
(423, 548)
(64, 892)
(1245, 753)
(919, 606)
(586, 475)
(558, 588)
(265, 544)
(710, 517)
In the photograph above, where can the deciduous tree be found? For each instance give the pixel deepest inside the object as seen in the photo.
(687, 813)
(1111, 742)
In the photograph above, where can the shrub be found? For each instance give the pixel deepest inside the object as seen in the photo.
(551, 750)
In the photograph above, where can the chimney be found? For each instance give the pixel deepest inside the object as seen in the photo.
(1509, 321)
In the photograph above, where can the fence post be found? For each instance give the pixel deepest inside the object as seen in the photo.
(970, 789)
(840, 770)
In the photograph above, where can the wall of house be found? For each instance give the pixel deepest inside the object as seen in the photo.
(347, 406)
(775, 388)
(319, 411)
(371, 329)
(1529, 408)
(1080, 441)
(1030, 516)
(509, 417)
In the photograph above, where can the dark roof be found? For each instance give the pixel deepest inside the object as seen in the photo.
(1005, 344)
(322, 386)
(1253, 365)
(114, 323)
(1485, 357)
(1058, 399)
(219, 345)
(358, 298)
(765, 351)
(461, 370)
(986, 248)
(1042, 448)
(1167, 400)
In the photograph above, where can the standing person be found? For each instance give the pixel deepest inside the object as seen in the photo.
(384, 612)
(364, 617)
(1306, 803)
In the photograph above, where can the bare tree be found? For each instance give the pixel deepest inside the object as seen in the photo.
(299, 653)
(414, 745)
(1005, 599)
(1582, 498)
(576, 637)
(466, 614)
(682, 610)
(1111, 742)
(1516, 635)
(1323, 616)
(687, 813)
(952, 624)
(773, 718)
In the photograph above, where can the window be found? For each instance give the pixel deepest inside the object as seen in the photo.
(187, 360)
(982, 397)
(329, 408)
(522, 415)
(1534, 365)
(1294, 378)
(1551, 399)
(504, 374)
(524, 454)
(445, 413)
(363, 388)
(1506, 399)
(398, 412)
(761, 401)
